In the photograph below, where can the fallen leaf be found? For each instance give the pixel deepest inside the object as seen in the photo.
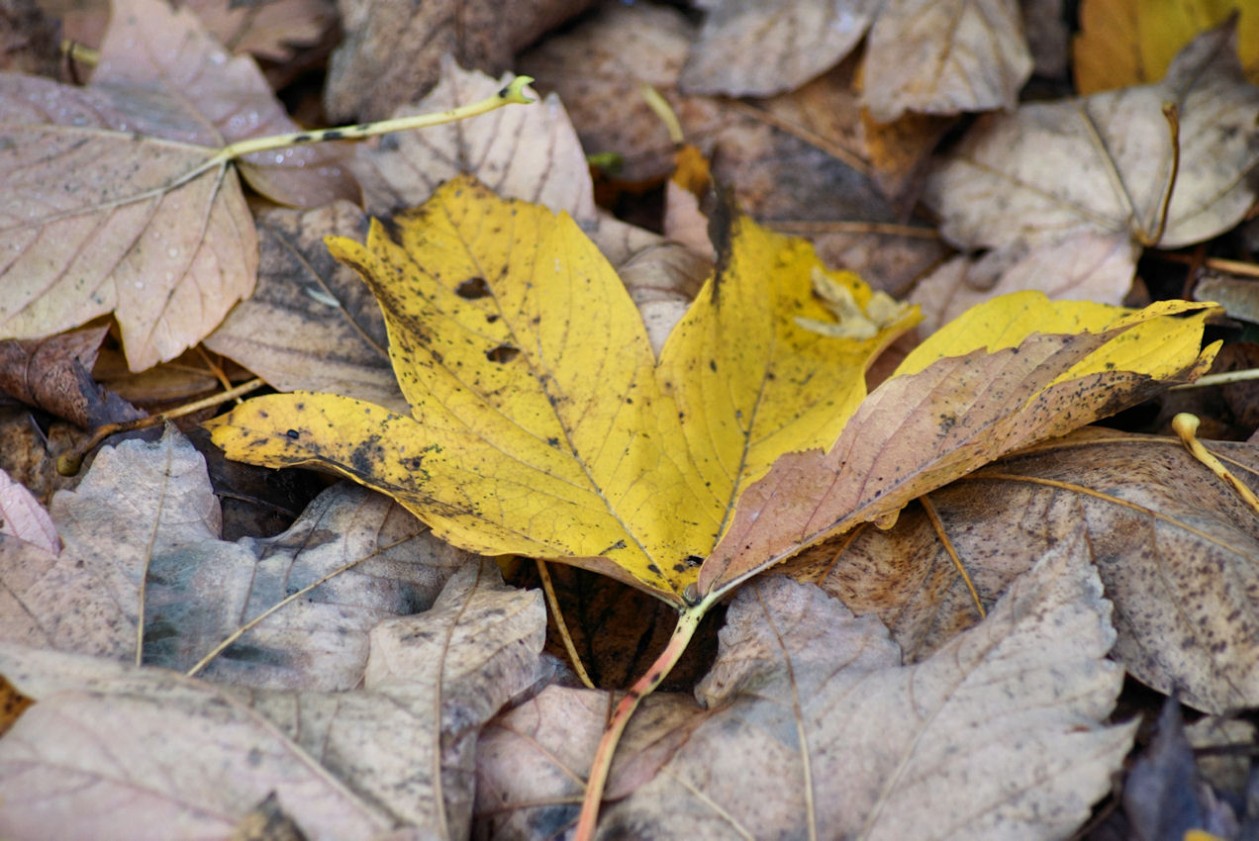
(392, 50)
(1129, 42)
(999, 735)
(30, 39)
(115, 204)
(942, 58)
(54, 374)
(1087, 267)
(344, 765)
(146, 513)
(585, 454)
(1100, 166)
(23, 518)
(311, 323)
(181, 62)
(525, 153)
(1010, 372)
(270, 29)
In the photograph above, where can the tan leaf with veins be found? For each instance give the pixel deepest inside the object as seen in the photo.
(980, 65)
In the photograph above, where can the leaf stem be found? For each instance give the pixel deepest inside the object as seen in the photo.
(1186, 426)
(513, 92)
(688, 620)
(1172, 115)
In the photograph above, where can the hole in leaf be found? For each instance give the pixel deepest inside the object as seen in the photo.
(473, 288)
(502, 353)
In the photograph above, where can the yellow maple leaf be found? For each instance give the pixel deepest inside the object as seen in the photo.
(541, 423)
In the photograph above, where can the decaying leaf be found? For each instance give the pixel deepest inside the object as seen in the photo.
(113, 200)
(193, 759)
(811, 725)
(541, 423)
(1011, 372)
(1175, 547)
(131, 520)
(1102, 165)
(23, 518)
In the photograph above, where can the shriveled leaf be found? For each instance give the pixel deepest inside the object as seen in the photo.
(1130, 42)
(392, 50)
(812, 726)
(311, 323)
(23, 518)
(1175, 547)
(757, 49)
(525, 153)
(183, 62)
(54, 374)
(1010, 372)
(1089, 267)
(1102, 164)
(946, 57)
(541, 423)
(345, 765)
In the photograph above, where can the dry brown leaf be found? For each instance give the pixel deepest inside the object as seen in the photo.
(1087, 267)
(23, 518)
(813, 727)
(311, 324)
(526, 153)
(345, 765)
(913, 434)
(392, 48)
(147, 511)
(1101, 164)
(749, 48)
(935, 57)
(29, 39)
(78, 250)
(1174, 545)
(54, 374)
(151, 47)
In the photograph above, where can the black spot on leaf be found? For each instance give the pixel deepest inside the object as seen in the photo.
(502, 354)
(473, 288)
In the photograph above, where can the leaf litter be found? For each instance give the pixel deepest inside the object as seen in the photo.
(676, 744)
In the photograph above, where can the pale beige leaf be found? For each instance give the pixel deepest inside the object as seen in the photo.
(749, 48)
(23, 518)
(311, 325)
(137, 501)
(153, 47)
(1000, 735)
(1102, 163)
(1085, 266)
(147, 754)
(397, 754)
(91, 224)
(1175, 547)
(945, 57)
(526, 153)
(1238, 295)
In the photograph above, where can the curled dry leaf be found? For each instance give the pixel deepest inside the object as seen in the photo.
(1174, 545)
(55, 374)
(812, 726)
(541, 422)
(344, 765)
